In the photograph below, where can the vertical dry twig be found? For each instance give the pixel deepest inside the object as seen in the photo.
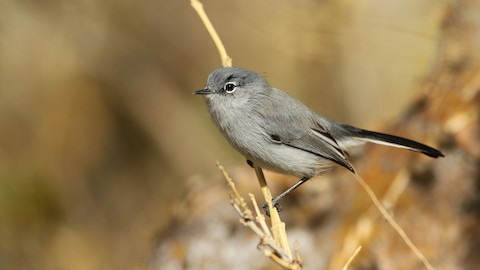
(255, 220)
(198, 6)
(278, 227)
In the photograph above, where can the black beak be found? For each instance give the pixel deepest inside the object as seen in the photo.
(203, 92)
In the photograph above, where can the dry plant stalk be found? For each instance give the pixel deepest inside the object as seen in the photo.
(198, 7)
(272, 247)
(350, 260)
(360, 232)
(278, 226)
(392, 222)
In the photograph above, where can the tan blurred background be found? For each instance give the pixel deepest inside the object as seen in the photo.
(99, 130)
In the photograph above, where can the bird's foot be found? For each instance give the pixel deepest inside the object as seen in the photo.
(275, 204)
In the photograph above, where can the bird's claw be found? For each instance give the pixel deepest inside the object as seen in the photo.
(274, 204)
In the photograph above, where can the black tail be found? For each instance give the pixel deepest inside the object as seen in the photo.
(395, 141)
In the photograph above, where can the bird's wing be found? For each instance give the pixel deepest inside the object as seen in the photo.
(289, 122)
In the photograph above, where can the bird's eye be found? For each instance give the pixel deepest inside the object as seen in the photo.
(230, 87)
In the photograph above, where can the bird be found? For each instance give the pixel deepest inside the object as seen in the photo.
(277, 132)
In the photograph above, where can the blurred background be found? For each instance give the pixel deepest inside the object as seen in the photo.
(101, 139)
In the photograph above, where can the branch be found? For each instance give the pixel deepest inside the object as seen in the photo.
(198, 7)
(269, 243)
(392, 222)
(355, 253)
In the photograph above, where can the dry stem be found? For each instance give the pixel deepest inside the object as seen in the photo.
(278, 227)
(272, 247)
(198, 7)
(392, 222)
(349, 261)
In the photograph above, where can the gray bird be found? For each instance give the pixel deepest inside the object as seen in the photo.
(279, 133)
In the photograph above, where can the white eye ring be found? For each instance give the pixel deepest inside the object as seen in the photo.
(230, 87)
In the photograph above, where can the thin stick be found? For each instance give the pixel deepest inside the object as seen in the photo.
(347, 264)
(256, 222)
(260, 217)
(392, 222)
(278, 227)
(198, 7)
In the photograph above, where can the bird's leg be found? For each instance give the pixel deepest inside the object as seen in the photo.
(285, 193)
